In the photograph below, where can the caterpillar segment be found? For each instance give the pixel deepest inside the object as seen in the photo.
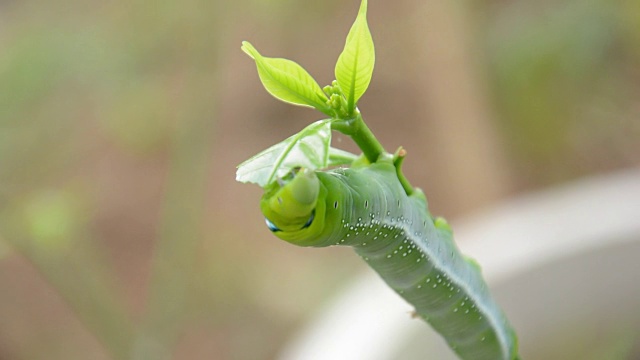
(367, 208)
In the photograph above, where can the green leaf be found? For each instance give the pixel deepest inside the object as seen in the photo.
(288, 81)
(355, 65)
(340, 157)
(308, 149)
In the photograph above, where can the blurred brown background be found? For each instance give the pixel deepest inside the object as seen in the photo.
(123, 233)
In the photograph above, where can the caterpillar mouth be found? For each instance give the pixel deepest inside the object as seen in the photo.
(274, 228)
(310, 221)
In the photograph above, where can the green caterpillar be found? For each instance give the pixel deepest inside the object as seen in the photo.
(365, 206)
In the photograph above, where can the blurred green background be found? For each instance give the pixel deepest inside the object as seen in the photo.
(123, 233)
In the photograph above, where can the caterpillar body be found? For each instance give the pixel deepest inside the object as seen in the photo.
(366, 207)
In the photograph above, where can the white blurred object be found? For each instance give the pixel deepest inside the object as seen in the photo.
(549, 257)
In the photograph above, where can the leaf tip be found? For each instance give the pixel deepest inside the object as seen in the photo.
(250, 50)
(363, 8)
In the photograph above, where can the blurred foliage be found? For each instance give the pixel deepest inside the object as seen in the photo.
(122, 231)
(52, 217)
(566, 82)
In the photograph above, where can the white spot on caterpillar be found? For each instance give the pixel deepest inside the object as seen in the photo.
(455, 310)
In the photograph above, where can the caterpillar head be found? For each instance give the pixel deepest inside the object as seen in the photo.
(289, 204)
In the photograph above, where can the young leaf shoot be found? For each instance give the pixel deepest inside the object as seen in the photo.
(288, 81)
(355, 64)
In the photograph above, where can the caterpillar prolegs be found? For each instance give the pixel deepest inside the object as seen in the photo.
(367, 208)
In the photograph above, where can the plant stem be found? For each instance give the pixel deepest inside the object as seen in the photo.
(398, 158)
(370, 146)
(361, 135)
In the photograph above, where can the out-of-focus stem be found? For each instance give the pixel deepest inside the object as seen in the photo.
(174, 275)
(79, 277)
